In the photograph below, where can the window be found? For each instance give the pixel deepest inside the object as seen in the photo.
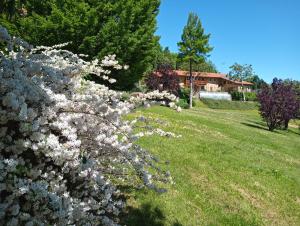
(202, 87)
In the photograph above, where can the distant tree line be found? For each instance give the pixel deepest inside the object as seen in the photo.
(246, 73)
(167, 58)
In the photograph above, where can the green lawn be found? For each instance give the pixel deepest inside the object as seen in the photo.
(228, 170)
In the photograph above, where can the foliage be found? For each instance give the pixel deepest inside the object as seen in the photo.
(183, 103)
(296, 87)
(230, 144)
(240, 72)
(246, 73)
(295, 84)
(278, 104)
(205, 66)
(249, 96)
(235, 95)
(63, 143)
(163, 79)
(194, 46)
(167, 58)
(258, 83)
(230, 105)
(125, 96)
(96, 28)
(184, 93)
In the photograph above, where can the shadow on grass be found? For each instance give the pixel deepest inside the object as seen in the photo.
(262, 125)
(146, 215)
(257, 126)
(293, 131)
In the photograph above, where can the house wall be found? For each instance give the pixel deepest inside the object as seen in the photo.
(212, 87)
(245, 88)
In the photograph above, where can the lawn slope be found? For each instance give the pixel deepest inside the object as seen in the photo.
(227, 168)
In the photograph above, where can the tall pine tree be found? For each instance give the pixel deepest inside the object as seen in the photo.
(194, 46)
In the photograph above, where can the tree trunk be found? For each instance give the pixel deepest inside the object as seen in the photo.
(271, 127)
(191, 86)
(286, 124)
(244, 99)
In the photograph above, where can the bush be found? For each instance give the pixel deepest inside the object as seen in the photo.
(251, 96)
(163, 79)
(125, 96)
(63, 143)
(183, 103)
(184, 93)
(239, 96)
(230, 105)
(235, 95)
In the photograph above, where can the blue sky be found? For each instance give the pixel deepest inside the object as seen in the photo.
(264, 33)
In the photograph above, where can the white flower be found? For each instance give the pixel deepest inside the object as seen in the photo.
(61, 136)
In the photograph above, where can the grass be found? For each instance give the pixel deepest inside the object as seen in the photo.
(230, 105)
(227, 168)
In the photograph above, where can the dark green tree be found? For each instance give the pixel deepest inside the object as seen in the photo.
(258, 83)
(194, 46)
(96, 28)
(165, 57)
(295, 85)
(205, 66)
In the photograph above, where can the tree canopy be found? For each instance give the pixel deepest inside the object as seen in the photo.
(245, 72)
(241, 72)
(96, 28)
(278, 104)
(194, 44)
(171, 59)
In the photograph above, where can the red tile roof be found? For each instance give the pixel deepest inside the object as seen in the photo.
(243, 83)
(200, 74)
(210, 75)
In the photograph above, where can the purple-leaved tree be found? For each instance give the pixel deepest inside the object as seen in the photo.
(279, 104)
(163, 79)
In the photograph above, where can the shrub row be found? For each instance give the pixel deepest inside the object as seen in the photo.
(230, 105)
(239, 96)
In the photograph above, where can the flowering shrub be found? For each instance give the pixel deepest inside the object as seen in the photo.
(62, 139)
(148, 126)
(155, 97)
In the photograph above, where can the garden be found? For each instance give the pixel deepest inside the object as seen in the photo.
(97, 129)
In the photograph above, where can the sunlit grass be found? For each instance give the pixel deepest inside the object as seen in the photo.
(228, 170)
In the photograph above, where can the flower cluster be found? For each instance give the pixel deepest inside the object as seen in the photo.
(147, 126)
(155, 97)
(62, 139)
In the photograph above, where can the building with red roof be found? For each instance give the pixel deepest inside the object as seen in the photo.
(212, 82)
